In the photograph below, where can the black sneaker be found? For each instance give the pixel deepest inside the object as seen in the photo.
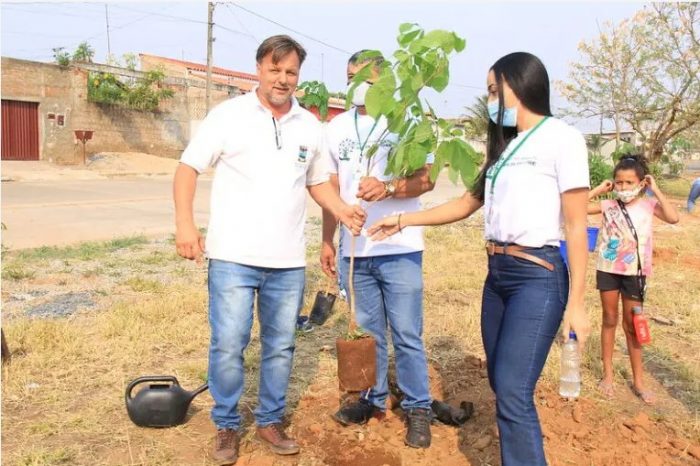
(418, 434)
(358, 412)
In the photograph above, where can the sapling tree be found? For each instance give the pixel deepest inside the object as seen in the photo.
(413, 128)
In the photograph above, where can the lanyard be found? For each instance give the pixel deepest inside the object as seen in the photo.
(512, 153)
(640, 277)
(357, 131)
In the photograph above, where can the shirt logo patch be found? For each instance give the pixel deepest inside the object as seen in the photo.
(344, 149)
(303, 152)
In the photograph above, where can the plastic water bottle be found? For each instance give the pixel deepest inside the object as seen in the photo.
(641, 326)
(570, 376)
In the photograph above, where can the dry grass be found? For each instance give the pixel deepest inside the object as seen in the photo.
(62, 395)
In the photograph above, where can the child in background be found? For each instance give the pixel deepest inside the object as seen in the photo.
(624, 258)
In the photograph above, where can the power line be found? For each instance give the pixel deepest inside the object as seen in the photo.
(52, 13)
(179, 18)
(240, 23)
(480, 88)
(468, 86)
(292, 30)
(233, 30)
(39, 34)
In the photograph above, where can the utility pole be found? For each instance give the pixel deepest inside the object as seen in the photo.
(109, 48)
(210, 43)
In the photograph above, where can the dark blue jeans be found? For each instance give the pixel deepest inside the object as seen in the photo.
(522, 307)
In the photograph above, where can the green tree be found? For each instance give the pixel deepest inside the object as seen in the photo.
(477, 115)
(595, 143)
(599, 169)
(60, 56)
(643, 72)
(145, 93)
(421, 61)
(83, 53)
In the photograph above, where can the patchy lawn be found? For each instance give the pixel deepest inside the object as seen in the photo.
(83, 321)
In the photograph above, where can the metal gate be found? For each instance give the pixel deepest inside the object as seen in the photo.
(20, 130)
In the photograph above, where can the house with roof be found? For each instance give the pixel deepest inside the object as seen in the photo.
(244, 82)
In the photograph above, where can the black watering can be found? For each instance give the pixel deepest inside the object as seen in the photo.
(163, 403)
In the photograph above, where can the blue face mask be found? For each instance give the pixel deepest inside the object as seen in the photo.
(510, 115)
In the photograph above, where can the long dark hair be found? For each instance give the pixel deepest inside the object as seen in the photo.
(528, 78)
(635, 162)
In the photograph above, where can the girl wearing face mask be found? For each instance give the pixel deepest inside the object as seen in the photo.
(624, 259)
(535, 177)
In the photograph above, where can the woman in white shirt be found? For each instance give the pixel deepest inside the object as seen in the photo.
(535, 177)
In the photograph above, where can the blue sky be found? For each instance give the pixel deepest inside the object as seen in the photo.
(329, 30)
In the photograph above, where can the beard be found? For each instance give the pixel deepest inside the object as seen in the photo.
(278, 99)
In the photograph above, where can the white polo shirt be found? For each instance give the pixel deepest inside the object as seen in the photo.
(525, 207)
(343, 149)
(262, 168)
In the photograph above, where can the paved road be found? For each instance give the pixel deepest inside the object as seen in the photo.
(61, 212)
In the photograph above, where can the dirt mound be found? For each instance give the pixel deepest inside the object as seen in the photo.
(575, 432)
(120, 163)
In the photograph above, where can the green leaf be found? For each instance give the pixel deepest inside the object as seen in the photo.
(395, 122)
(459, 43)
(369, 55)
(417, 156)
(406, 39)
(424, 131)
(435, 170)
(465, 158)
(439, 38)
(380, 97)
(417, 46)
(372, 150)
(406, 27)
(401, 55)
(439, 74)
(416, 82)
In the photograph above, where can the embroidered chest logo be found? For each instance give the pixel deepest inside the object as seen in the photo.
(345, 148)
(303, 152)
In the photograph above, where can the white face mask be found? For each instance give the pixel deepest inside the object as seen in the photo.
(629, 195)
(358, 97)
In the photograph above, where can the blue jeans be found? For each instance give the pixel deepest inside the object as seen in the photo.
(232, 291)
(694, 194)
(389, 289)
(522, 307)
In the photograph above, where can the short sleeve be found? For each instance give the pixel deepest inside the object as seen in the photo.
(319, 167)
(571, 163)
(206, 146)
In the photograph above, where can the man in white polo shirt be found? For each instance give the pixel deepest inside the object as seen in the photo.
(388, 276)
(266, 152)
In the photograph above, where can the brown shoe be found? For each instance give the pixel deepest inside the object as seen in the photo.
(274, 437)
(226, 447)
